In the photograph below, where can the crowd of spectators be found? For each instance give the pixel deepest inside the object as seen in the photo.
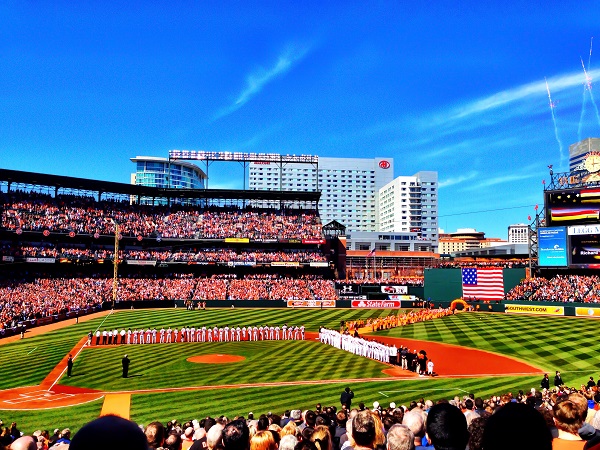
(22, 300)
(46, 297)
(544, 419)
(508, 264)
(415, 280)
(561, 288)
(191, 255)
(81, 215)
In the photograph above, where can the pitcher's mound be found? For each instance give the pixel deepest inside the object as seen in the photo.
(216, 359)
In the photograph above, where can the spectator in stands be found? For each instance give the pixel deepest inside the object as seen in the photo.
(288, 442)
(213, 436)
(109, 432)
(363, 430)
(400, 437)
(155, 435)
(236, 435)
(186, 438)
(476, 432)
(24, 443)
(470, 414)
(516, 426)
(447, 427)
(569, 416)
(322, 438)
(414, 420)
(263, 440)
(65, 437)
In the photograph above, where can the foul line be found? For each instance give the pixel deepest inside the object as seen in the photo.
(65, 368)
(103, 320)
(32, 351)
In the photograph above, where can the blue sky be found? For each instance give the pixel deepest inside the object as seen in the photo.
(454, 87)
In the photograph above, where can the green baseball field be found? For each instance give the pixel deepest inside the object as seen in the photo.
(484, 354)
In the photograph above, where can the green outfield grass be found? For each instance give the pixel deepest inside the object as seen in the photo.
(553, 343)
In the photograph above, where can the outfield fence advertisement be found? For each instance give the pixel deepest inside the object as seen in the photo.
(582, 311)
(311, 303)
(378, 304)
(535, 309)
(552, 247)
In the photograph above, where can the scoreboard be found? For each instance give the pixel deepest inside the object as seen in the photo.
(571, 237)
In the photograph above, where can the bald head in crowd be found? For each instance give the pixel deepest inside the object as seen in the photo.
(213, 436)
(414, 421)
(24, 443)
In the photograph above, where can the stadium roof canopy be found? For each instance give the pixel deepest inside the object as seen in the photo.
(63, 182)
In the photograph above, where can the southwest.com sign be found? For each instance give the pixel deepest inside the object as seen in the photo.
(531, 309)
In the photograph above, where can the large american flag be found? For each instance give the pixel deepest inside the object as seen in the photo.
(483, 283)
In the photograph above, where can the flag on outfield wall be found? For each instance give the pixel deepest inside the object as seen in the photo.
(483, 283)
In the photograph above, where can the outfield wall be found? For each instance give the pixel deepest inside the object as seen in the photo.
(508, 307)
(445, 285)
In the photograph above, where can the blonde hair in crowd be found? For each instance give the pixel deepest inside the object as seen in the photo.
(263, 440)
(322, 438)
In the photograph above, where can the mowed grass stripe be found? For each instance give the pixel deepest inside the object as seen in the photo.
(49, 419)
(165, 365)
(189, 405)
(551, 342)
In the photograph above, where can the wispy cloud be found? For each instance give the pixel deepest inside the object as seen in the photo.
(524, 173)
(259, 78)
(457, 180)
(536, 89)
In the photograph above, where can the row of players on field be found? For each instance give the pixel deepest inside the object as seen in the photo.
(200, 334)
(359, 346)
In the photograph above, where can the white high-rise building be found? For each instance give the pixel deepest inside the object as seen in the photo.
(349, 186)
(410, 204)
(518, 234)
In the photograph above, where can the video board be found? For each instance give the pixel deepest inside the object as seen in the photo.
(584, 241)
(572, 207)
(552, 247)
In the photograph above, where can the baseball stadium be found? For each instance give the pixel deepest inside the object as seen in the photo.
(171, 306)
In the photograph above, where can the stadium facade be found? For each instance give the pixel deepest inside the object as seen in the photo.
(349, 186)
(159, 172)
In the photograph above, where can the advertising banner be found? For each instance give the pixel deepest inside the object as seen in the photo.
(552, 247)
(394, 289)
(285, 264)
(535, 309)
(582, 311)
(41, 260)
(8, 259)
(311, 303)
(402, 297)
(141, 262)
(237, 240)
(319, 264)
(376, 304)
(241, 263)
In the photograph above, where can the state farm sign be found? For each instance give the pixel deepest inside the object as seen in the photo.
(378, 304)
